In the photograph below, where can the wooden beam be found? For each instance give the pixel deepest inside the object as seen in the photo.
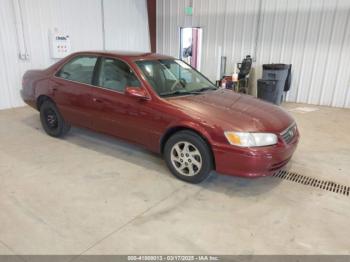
(152, 23)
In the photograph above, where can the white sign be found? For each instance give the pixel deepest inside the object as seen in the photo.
(59, 45)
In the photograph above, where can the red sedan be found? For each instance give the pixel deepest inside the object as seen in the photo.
(166, 106)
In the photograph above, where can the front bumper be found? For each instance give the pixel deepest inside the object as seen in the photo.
(253, 162)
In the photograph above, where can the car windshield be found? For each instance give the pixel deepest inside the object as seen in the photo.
(173, 77)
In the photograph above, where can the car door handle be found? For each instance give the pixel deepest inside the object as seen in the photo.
(96, 100)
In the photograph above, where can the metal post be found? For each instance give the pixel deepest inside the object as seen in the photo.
(103, 25)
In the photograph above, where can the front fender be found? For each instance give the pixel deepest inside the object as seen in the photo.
(186, 125)
(197, 127)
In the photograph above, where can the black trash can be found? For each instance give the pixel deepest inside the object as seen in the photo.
(268, 90)
(276, 79)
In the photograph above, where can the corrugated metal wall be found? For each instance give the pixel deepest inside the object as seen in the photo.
(82, 19)
(313, 35)
(127, 19)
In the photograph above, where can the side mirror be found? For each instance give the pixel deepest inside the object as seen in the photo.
(137, 92)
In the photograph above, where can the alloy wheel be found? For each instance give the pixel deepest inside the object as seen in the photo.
(186, 158)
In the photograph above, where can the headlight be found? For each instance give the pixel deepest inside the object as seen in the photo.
(244, 139)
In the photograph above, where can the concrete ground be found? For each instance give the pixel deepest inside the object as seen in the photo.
(92, 194)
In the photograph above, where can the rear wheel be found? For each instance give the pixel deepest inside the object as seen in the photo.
(52, 121)
(188, 157)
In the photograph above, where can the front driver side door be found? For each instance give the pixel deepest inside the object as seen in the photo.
(116, 113)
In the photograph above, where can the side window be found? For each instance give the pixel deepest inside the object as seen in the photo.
(116, 75)
(80, 69)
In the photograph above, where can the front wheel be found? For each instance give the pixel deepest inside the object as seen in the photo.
(188, 157)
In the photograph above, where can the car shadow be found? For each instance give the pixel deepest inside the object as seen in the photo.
(239, 186)
(116, 148)
(107, 145)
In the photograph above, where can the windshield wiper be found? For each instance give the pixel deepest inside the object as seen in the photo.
(192, 92)
(204, 89)
(177, 92)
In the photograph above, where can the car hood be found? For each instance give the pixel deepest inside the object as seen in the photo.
(236, 111)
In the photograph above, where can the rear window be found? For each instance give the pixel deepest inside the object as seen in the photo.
(79, 69)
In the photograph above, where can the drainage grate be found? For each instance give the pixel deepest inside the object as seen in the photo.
(310, 181)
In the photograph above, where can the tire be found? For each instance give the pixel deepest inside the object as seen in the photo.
(188, 157)
(52, 121)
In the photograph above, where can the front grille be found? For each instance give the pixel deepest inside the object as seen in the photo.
(289, 133)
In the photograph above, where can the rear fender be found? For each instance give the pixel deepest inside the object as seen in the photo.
(32, 81)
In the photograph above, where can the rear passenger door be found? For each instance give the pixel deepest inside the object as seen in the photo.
(72, 89)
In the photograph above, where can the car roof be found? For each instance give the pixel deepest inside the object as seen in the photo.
(127, 55)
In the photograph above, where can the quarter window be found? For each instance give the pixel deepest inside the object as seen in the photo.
(79, 69)
(116, 75)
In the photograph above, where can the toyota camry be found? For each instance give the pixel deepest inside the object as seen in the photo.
(166, 106)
